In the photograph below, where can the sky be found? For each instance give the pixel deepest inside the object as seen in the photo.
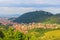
(8, 7)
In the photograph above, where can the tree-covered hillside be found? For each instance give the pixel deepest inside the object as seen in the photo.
(53, 19)
(38, 17)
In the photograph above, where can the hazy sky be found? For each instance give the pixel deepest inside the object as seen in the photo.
(22, 6)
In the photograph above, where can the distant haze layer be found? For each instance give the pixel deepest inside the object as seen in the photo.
(8, 11)
(10, 7)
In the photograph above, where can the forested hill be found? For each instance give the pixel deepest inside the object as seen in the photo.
(53, 19)
(37, 17)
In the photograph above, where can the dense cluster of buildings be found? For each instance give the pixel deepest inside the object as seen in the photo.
(25, 27)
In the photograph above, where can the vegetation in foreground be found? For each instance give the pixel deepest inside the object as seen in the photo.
(8, 33)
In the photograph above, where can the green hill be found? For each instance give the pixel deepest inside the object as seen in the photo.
(38, 17)
(53, 19)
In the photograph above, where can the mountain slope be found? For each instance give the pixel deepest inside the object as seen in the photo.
(36, 16)
(53, 19)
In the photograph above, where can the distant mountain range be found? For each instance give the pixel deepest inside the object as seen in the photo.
(9, 15)
(38, 17)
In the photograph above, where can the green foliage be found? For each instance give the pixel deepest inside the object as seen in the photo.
(1, 34)
(44, 34)
(10, 34)
(42, 30)
(19, 36)
(34, 34)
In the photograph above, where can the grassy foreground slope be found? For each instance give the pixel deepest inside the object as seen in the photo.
(52, 35)
(44, 34)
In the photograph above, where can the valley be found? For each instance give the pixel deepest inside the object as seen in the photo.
(37, 25)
